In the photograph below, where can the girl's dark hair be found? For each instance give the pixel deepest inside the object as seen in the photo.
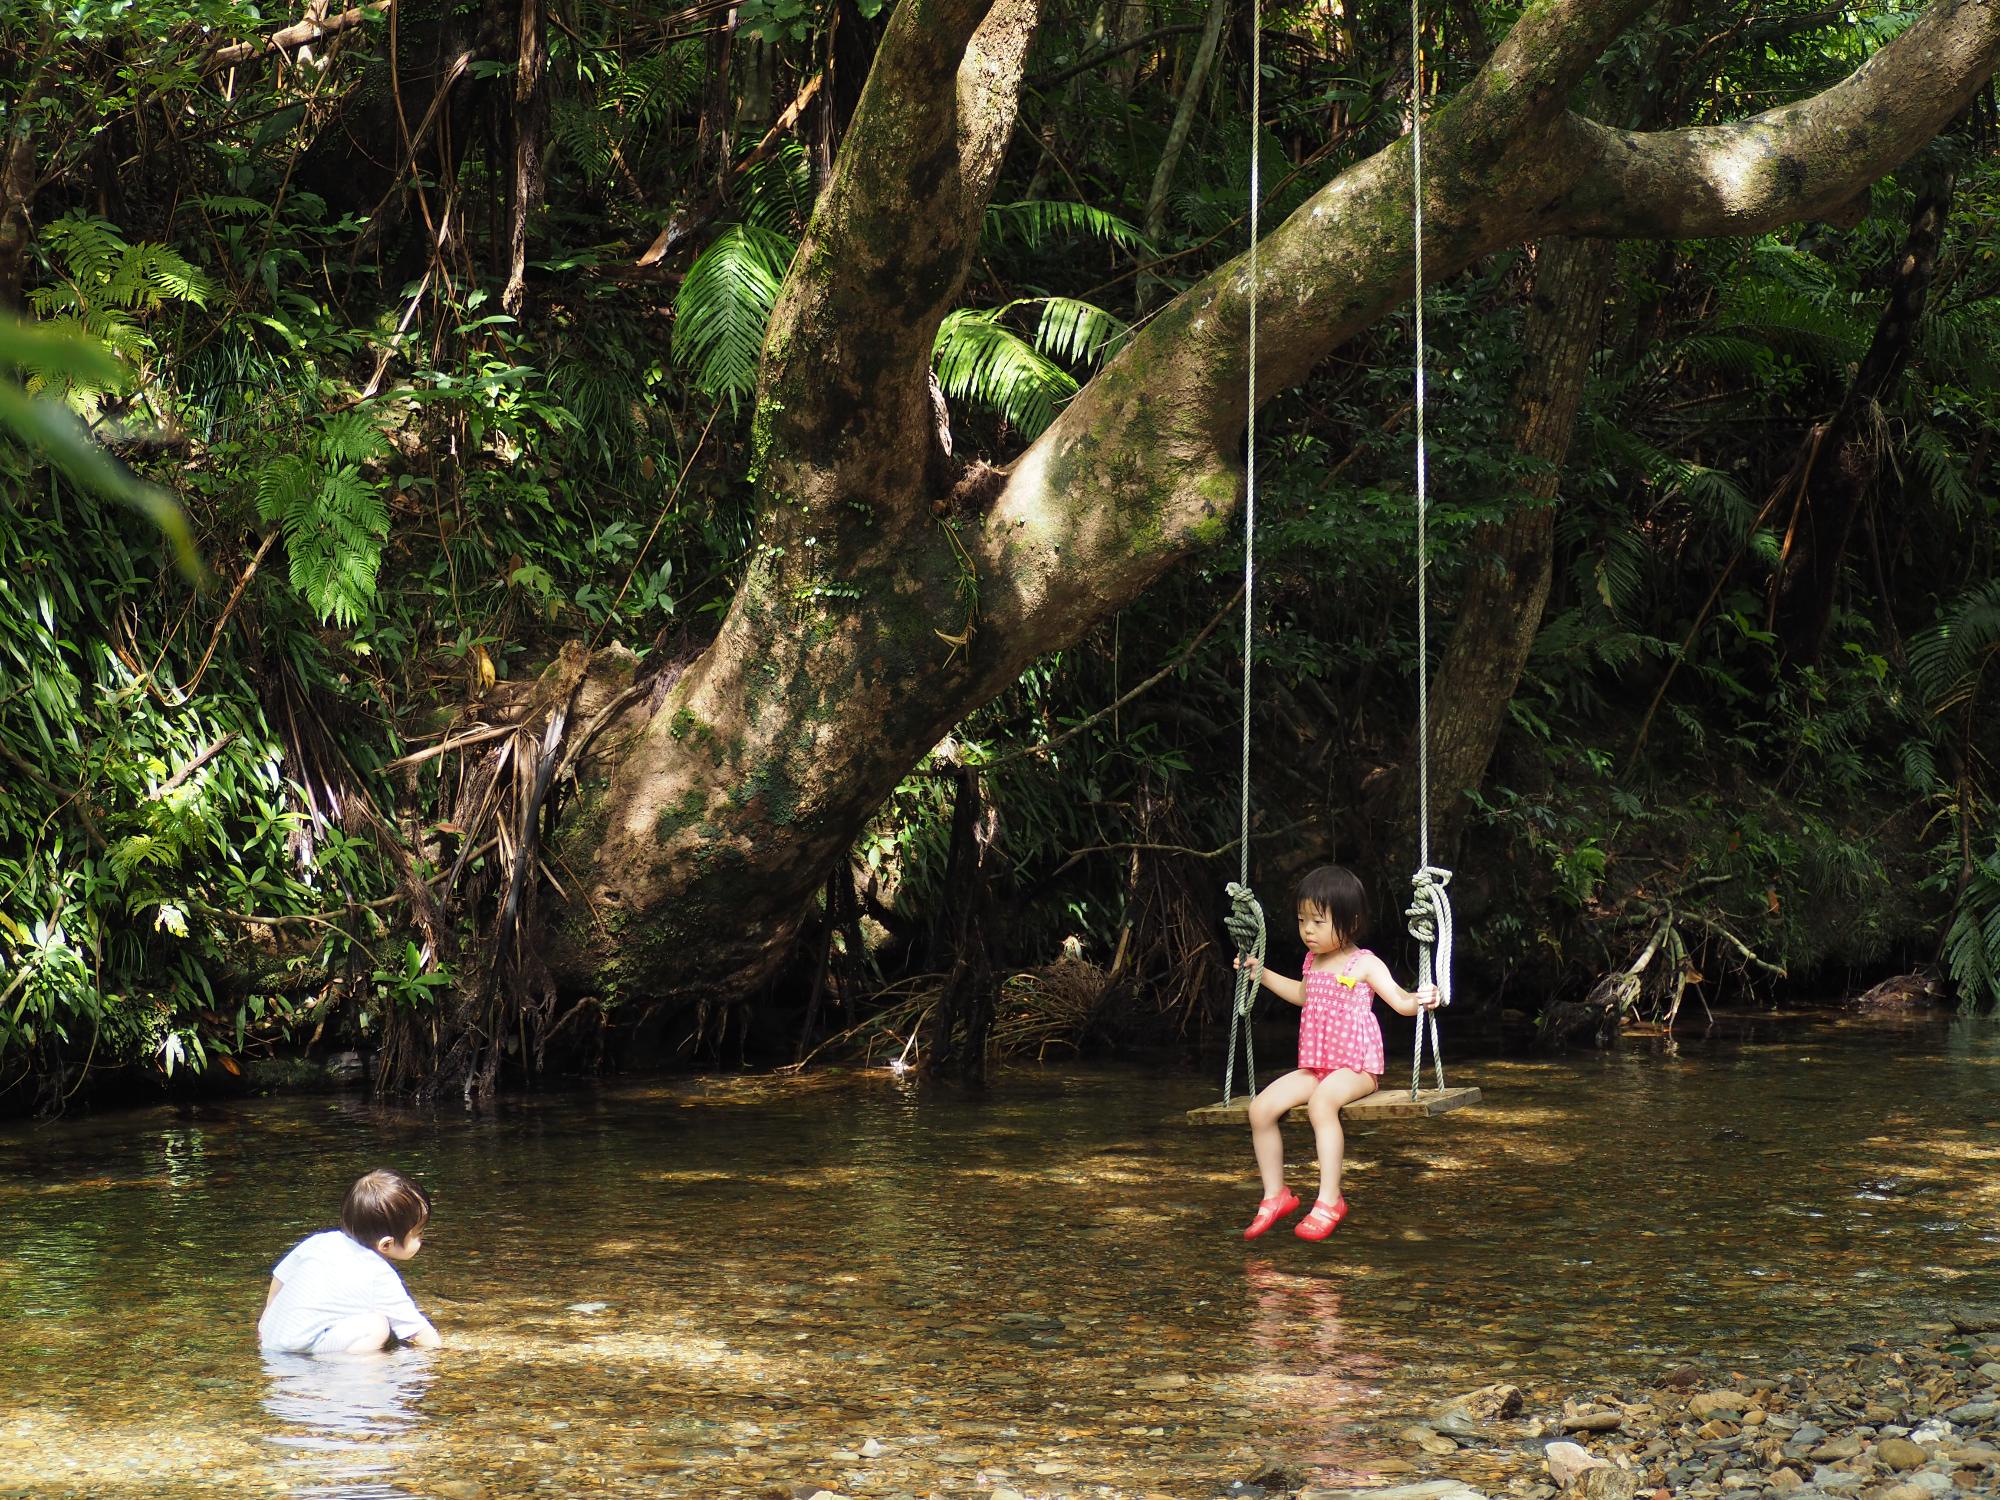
(384, 1203)
(1337, 891)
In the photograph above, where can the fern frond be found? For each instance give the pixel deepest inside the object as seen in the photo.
(724, 307)
(777, 193)
(1948, 661)
(1943, 471)
(351, 437)
(1972, 941)
(1033, 222)
(1079, 332)
(980, 361)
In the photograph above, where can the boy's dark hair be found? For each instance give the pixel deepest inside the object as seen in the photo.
(384, 1203)
(1337, 891)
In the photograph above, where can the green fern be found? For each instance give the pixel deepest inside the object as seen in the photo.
(724, 308)
(1036, 221)
(333, 516)
(102, 291)
(1949, 660)
(1080, 333)
(981, 361)
(1972, 941)
(1942, 470)
(777, 193)
(1793, 304)
(1712, 493)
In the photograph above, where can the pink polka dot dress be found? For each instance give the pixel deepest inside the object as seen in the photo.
(1339, 1029)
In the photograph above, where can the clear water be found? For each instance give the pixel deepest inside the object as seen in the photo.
(1043, 1288)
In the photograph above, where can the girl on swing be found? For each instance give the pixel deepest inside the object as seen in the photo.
(1340, 1043)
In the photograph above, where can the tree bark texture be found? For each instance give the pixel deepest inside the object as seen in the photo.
(1844, 456)
(1506, 582)
(530, 117)
(963, 1018)
(868, 622)
(17, 197)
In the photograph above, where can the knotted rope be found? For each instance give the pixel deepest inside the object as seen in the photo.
(1430, 924)
(1246, 924)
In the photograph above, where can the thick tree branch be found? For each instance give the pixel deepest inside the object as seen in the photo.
(1797, 162)
(1142, 465)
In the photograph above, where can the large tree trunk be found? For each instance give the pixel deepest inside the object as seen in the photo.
(869, 621)
(1844, 455)
(1506, 582)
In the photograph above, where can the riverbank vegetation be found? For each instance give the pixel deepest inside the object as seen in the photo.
(713, 531)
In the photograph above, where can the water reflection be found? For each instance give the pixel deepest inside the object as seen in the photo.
(346, 1418)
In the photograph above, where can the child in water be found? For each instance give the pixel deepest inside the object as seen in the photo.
(337, 1292)
(1340, 1043)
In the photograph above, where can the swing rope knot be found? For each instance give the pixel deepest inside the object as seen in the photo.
(1429, 917)
(1246, 925)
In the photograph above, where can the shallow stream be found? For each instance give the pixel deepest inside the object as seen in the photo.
(742, 1287)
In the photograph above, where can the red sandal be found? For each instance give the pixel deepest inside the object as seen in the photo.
(1270, 1211)
(1323, 1220)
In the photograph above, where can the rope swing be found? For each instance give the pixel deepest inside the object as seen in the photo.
(1429, 913)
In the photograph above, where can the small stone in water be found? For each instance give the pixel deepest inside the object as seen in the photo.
(587, 1307)
(1900, 1453)
(1567, 1460)
(1594, 1421)
(872, 1449)
(1716, 1403)
(1604, 1483)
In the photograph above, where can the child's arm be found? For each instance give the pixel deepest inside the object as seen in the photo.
(1398, 999)
(426, 1337)
(272, 1295)
(1292, 991)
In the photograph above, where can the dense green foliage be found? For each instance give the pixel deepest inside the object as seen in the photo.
(204, 852)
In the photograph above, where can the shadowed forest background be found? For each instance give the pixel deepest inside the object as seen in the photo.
(443, 324)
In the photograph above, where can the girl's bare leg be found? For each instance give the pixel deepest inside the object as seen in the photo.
(1342, 1086)
(1266, 1110)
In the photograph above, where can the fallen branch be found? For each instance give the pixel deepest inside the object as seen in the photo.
(296, 35)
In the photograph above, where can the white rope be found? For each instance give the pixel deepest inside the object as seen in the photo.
(1423, 486)
(1239, 893)
(1430, 911)
(1250, 449)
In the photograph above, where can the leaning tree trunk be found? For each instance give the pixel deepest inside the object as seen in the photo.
(1155, 222)
(875, 612)
(1844, 455)
(1510, 561)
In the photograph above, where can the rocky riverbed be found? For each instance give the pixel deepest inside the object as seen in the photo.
(1909, 1418)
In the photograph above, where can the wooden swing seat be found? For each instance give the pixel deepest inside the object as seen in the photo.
(1383, 1104)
